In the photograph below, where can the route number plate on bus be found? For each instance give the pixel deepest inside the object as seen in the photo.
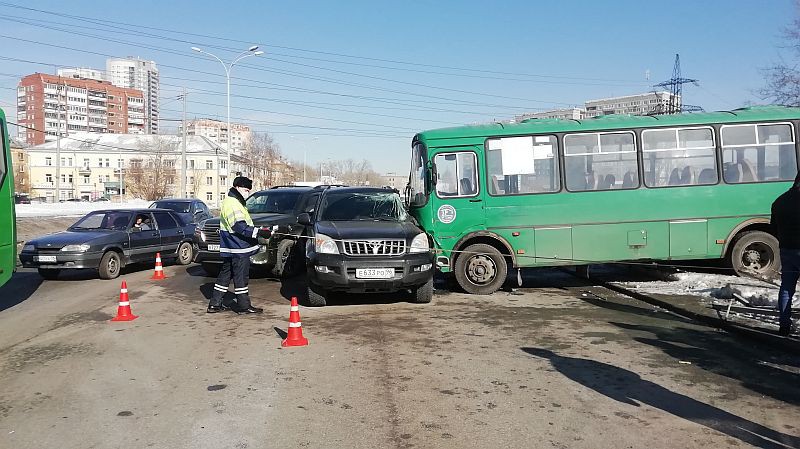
(213, 247)
(46, 258)
(374, 273)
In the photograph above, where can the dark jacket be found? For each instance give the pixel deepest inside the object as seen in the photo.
(786, 218)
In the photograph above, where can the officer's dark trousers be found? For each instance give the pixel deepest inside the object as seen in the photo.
(239, 269)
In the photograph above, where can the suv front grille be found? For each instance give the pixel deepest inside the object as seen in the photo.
(374, 247)
(212, 233)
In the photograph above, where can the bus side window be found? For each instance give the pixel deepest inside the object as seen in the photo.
(679, 157)
(522, 165)
(758, 153)
(457, 174)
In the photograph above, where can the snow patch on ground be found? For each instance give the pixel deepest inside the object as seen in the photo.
(712, 286)
(73, 209)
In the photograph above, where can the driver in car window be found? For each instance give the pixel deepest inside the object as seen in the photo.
(142, 223)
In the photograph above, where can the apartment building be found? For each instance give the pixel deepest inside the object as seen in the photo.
(140, 74)
(568, 113)
(100, 165)
(217, 131)
(19, 162)
(640, 104)
(49, 104)
(82, 73)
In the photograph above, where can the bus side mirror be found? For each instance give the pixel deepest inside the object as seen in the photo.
(304, 219)
(432, 174)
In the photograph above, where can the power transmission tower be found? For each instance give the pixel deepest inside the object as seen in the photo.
(675, 87)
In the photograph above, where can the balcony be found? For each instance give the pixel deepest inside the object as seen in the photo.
(85, 171)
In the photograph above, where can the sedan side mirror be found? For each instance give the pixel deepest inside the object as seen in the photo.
(304, 219)
(136, 229)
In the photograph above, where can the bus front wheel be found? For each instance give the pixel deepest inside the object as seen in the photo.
(481, 269)
(755, 253)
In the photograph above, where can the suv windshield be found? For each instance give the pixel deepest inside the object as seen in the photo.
(272, 202)
(117, 221)
(178, 206)
(354, 206)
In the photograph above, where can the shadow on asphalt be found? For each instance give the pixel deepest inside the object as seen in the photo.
(19, 288)
(644, 311)
(755, 366)
(296, 286)
(628, 387)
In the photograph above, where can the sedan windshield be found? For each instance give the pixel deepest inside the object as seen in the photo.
(116, 221)
(272, 202)
(355, 206)
(178, 206)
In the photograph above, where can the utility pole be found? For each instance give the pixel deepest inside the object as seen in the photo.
(183, 149)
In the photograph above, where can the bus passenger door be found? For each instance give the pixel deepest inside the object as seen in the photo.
(458, 199)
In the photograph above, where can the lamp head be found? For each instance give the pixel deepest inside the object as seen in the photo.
(196, 49)
(258, 53)
(253, 48)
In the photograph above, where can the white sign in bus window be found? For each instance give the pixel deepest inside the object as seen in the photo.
(517, 155)
(543, 152)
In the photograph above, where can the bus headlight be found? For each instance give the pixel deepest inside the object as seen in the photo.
(75, 248)
(419, 244)
(325, 245)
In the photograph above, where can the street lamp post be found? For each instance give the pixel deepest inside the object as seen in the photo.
(252, 51)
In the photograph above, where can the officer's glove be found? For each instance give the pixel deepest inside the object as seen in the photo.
(264, 233)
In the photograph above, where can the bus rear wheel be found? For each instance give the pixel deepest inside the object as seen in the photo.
(481, 269)
(755, 253)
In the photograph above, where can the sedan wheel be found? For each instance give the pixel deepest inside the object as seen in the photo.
(110, 265)
(185, 253)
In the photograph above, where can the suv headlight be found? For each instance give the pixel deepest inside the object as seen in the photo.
(419, 244)
(76, 248)
(325, 245)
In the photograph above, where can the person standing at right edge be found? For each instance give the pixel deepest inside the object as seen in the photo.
(238, 241)
(786, 224)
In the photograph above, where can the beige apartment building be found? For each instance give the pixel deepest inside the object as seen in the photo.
(97, 165)
(217, 132)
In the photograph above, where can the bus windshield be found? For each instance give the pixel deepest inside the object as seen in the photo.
(417, 195)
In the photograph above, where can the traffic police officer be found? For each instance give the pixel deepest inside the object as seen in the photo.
(238, 241)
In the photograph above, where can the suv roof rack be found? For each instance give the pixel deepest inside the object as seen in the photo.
(286, 186)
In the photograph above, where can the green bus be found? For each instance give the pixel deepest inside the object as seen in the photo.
(546, 192)
(8, 219)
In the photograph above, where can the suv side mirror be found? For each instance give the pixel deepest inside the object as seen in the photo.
(136, 229)
(304, 219)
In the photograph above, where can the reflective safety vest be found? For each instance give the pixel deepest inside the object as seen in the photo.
(237, 235)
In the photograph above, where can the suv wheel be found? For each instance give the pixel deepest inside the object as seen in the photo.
(316, 299)
(185, 253)
(285, 263)
(424, 293)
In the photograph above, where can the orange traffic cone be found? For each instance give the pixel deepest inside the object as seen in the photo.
(124, 310)
(159, 274)
(295, 335)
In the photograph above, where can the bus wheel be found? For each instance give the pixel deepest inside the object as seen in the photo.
(755, 252)
(481, 269)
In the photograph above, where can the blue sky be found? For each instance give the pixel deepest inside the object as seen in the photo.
(358, 79)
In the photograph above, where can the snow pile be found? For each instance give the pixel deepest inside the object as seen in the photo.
(712, 286)
(73, 209)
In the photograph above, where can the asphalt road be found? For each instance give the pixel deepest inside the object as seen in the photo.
(538, 367)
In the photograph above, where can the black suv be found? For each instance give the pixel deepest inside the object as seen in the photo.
(278, 206)
(362, 240)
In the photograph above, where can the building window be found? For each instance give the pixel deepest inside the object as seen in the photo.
(209, 165)
(48, 178)
(86, 162)
(209, 196)
(209, 180)
(86, 179)
(191, 164)
(108, 162)
(48, 161)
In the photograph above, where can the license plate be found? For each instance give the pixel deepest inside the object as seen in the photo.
(374, 273)
(213, 247)
(46, 258)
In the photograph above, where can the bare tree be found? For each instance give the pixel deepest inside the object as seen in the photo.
(152, 176)
(261, 159)
(783, 78)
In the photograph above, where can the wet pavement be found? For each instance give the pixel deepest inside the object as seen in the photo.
(545, 365)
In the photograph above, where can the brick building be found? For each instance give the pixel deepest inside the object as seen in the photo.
(50, 103)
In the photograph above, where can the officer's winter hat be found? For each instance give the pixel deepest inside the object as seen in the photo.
(243, 181)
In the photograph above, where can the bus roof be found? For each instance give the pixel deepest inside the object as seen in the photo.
(535, 126)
